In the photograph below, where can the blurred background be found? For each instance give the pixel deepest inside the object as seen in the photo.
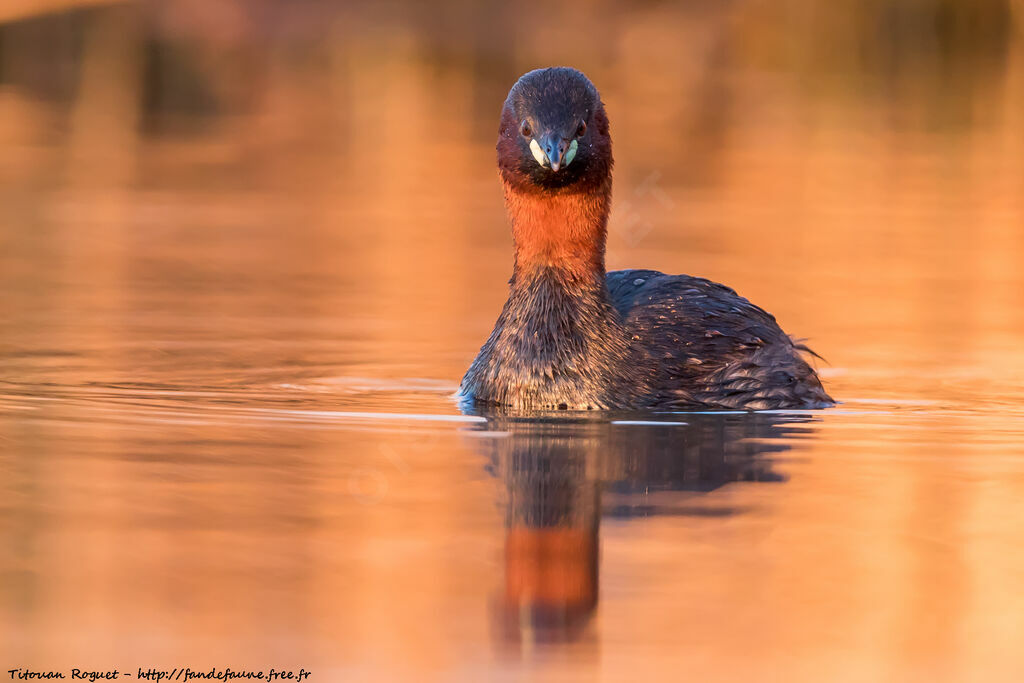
(852, 166)
(237, 235)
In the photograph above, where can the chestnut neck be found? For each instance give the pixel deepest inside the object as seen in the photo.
(563, 231)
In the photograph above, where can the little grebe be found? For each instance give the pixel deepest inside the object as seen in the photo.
(572, 336)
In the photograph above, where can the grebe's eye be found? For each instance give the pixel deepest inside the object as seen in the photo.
(525, 129)
(581, 129)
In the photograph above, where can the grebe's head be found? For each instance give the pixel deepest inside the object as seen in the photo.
(554, 133)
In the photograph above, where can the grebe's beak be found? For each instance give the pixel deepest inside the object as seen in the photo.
(552, 151)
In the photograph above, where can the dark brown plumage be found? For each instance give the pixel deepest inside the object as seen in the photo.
(571, 336)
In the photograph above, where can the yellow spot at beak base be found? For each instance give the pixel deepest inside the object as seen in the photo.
(570, 153)
(538, 153)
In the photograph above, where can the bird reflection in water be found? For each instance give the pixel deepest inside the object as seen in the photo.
(561, 474)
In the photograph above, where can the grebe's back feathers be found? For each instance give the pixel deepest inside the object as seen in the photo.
(710, 347)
